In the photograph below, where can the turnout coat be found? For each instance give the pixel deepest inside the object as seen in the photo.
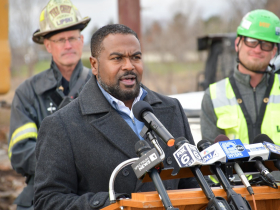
(80, 145)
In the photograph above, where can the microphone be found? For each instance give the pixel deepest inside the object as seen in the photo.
(237, 167)
(274, 150)
(211, 153)
(188, 155)
(224, 150)
(259, 165)
(147, 161)
(144, 113)
(235, 200)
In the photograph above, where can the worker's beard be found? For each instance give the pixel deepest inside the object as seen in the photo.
(254, 66)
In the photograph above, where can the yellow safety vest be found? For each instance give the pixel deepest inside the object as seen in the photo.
(230, 117)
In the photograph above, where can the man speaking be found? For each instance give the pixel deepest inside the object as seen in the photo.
(80, 145)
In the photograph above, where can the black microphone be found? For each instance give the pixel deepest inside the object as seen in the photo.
(143, 149)
(236, 166)
(217, 203)
(144, 113)
(259, 165)
(274, 153)
(235, 200)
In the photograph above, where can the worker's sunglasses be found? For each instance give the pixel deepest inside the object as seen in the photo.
(265, 45)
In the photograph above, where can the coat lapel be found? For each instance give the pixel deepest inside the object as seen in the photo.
(116, 130)
(103, 117)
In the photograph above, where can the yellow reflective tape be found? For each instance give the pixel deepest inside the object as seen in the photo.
(15, 139)
(21, 137)
(22, 128)
(213, 93)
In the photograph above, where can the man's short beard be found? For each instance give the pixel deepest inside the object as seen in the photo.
(255, 66)
(115, 90)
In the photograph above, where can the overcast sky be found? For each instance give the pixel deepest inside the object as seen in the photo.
(104, 11)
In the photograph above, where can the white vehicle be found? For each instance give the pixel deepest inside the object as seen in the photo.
(191, 103)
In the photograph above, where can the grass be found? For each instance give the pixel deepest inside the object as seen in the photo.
(164, 68)
(181, 77)
(39, 67)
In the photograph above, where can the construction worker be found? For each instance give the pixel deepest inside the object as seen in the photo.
(247, 103)
(41, 95)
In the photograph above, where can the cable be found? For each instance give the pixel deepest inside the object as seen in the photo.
(254, 202)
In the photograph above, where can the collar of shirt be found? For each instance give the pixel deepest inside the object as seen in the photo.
(119, 105)
(245, 78)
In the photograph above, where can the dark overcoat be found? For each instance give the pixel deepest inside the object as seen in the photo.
(80, 145)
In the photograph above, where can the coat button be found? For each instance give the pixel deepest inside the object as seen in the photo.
(125, 172)
(169, 160)
(95, 203)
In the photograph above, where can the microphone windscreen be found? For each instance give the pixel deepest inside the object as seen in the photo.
(221, 137)
(140, 107)
(203, 144)
(261, 138)
(141, 146)
(180, 141)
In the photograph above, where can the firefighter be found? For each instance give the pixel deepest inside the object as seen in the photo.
(41, 95)
(247, 103)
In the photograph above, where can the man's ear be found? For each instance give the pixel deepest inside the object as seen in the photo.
(47, 44)
(237, 42)
(274, 52)
(94, 65)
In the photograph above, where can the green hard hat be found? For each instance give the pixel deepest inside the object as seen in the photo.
(260, 24)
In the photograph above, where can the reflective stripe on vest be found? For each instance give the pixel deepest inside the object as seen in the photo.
(28, 130)
(230, 117)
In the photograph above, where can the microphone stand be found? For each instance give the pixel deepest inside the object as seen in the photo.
(235, 200)
(154, 173)
(215, 203)
(112, 195)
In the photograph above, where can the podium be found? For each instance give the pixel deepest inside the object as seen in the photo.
(266, 198)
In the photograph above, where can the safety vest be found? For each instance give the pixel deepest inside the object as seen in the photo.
(231, 119)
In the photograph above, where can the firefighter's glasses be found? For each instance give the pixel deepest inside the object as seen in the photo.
(265, 45)
(71, 40)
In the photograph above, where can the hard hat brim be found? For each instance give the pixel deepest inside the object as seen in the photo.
(38, 37)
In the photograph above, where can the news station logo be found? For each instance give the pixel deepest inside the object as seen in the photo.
(183, 157)
(153, 157)
(234, 149)
(195, 152)
(240, 148)
(271, 147)
(210, 156)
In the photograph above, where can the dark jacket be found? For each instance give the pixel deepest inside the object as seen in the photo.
(31, 104)
(79, 147)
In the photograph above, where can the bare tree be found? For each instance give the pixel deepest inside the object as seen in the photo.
(24, 20)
